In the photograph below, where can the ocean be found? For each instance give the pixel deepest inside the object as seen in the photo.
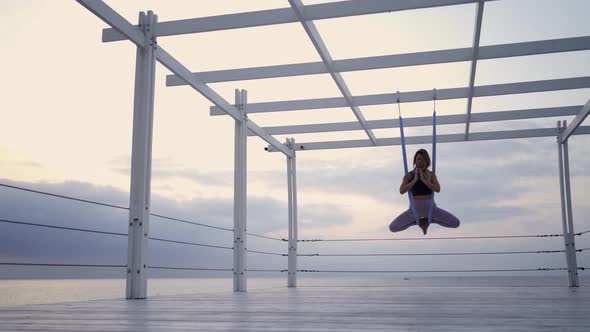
(45, 291)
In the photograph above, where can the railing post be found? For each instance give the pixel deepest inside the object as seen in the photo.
(566, 208)
(292, 188)
(240, 171)
(141, 161)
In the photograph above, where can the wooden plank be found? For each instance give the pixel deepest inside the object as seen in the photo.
(321, 309)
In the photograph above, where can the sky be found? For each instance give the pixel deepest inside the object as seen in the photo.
(67, 107)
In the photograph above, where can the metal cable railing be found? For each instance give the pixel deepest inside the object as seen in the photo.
(191, 243)
(267, 237)
(110, 233)
(116, 266)
(191, 222)
(126, 208)
(60, 227)
(187, 268)
(60, 264)
(436, 238)
(110, 205)
(439, 271)
(284, 240)
(283, 271)
(64, 197)
(300, 255)
(266, 252)
(437, 254)
(123, 234)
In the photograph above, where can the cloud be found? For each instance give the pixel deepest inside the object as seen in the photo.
(22, 243)
(19, 164)
(164, 169)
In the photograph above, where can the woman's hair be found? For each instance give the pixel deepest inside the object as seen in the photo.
(424, 155)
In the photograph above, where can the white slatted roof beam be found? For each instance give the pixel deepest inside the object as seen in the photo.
(415, 96)
(393, 61)
(448, 138)
(177, 68)
(286, 15)
(120, 25)
(319, 45)
(476, 37)
(535, 113)
(575, 124)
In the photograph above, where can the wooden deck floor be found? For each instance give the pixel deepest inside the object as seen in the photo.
(321, 309)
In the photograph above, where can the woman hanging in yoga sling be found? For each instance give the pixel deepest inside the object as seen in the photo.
(420, 184)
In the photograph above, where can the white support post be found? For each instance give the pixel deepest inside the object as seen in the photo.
(570, 217)
(476, 37)
(563, 209)
(292, 193)
(566, 208)
(240, 171)
(295, 218)
(141, 160)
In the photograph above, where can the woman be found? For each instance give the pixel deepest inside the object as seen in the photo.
(421, 182)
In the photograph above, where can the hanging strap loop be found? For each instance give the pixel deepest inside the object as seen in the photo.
(403, 144)
(431, 207)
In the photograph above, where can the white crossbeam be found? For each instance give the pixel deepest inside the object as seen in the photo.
(427, 120)
(112, 18)
(575, 124)
(177, 68)
(476, 37)
(449, 138)
(415, 96)
(322, 50)
(120, 25)
(393, 61)
(286, 15)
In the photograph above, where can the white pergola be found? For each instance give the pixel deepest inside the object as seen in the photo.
(145, 35)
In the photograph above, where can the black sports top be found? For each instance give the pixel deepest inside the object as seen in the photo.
(419, 187)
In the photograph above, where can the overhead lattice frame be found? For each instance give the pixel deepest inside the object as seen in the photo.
(307, 14)
(144, 36)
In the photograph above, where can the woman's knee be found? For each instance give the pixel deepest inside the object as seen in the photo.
(398, 226)
(393, 228)
(455, 223)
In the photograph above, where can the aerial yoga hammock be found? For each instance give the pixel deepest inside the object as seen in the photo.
(420, 185)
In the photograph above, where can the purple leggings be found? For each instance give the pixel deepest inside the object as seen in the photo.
(439, 216)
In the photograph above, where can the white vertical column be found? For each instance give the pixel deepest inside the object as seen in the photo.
(141, 160)
(240, 171)
(295, 220)
(570, 216)
(292, 197)
(563, 208)
(566, 209)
